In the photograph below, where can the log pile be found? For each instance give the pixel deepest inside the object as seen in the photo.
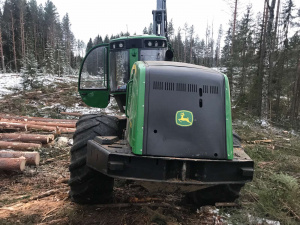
(56, 126)
(25, 136)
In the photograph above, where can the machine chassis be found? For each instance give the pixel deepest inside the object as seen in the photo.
(113, 157)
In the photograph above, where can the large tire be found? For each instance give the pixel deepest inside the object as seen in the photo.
(236, 140)
(88, 186)
(218, 193)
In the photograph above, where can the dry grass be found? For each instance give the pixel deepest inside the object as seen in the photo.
(275, 192)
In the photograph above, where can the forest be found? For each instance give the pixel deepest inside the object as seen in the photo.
(259, 53)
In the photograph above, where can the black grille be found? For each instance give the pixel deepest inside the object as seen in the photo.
(213, 89)
(192, 88)
(158, 85)
(180, 87)
(205, 88)
(209, 90)
(169, 86)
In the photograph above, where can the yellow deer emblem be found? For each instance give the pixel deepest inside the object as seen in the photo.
(181, 119)
(184, 118)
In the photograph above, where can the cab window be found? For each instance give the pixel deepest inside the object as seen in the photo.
(94, 70)
(119, 70)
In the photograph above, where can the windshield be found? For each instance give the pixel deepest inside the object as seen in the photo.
(119, 70)
(153, 55)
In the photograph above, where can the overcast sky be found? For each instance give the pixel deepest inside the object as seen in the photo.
(92, 17)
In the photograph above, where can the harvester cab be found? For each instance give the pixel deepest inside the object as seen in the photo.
(106, 68)
(177, 128)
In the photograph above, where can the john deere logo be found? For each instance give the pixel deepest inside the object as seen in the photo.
(184, 118)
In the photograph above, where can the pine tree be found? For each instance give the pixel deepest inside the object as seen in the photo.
(29, 70)
(51, 22)
(68, 39)
(49, 59)
(98, 40)
(145, 31)
(171, 29)
(150, 29)
(1, 45)
(218, 46)
(106, 39)
(89, 45)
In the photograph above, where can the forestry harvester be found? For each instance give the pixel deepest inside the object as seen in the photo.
(177, 128)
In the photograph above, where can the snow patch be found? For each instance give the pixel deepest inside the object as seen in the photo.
(9, 83)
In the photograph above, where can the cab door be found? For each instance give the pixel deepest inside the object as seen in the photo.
(93, 84)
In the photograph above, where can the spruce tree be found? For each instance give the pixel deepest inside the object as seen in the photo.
(29, 70)
(49, 59)
(89, 45)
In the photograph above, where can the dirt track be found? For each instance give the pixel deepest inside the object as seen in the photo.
(40, 196)
(20, 198)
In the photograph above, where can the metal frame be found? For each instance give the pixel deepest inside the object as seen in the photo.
(116, 160)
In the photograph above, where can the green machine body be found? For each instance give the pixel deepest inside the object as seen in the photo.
(178, 110)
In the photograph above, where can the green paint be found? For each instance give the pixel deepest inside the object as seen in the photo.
(229, 138)
(184, 118)
(136, 101)
(128, 90)
(95, 97)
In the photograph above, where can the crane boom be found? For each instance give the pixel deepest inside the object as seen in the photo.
(160, 18)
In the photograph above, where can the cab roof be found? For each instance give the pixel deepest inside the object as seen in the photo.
(139, 37)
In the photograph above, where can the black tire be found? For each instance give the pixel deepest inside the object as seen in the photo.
(88, 186)
(236, 140)
(218, 193)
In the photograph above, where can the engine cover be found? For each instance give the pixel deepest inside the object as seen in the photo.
(184, 111)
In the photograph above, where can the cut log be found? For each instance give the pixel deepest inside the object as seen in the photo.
(32, 158)
(261, 141)
(226, 204)
(8, 125)
(42, 123)
(65, 130)
(19, 145)
(26, 118)
(26, 127)
(26, 137)
(71, 113)
(12, 163)
(41, 128)
(4, 129)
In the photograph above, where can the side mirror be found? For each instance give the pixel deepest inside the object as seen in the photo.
(169, 55)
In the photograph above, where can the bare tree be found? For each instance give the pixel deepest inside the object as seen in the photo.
(234, 25)
(13, 39)
(218, 46)
(1, 46)
(192, 32)
(186, 29)
(263, 98)
(22, 10)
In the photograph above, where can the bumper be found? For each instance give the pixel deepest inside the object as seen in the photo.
(116, 160)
